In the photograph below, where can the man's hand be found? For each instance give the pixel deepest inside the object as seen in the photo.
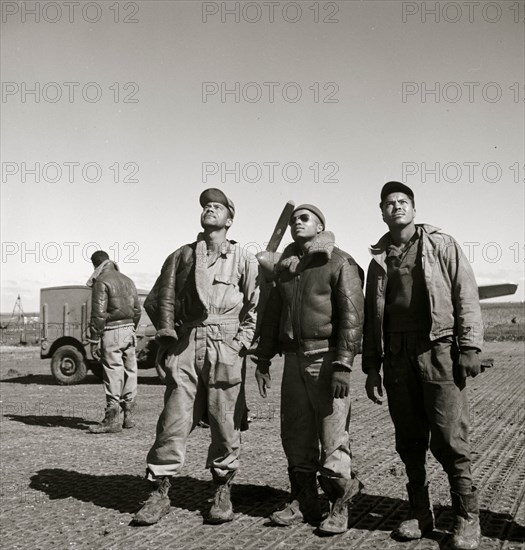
(373, 383)
(469, 362)
(262, 375)
(96, 352)
(340, 381)
(160, 360)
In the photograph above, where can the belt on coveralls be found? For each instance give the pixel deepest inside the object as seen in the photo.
(216, 320)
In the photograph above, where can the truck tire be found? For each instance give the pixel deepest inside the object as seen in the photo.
(97, 369)
(68, 366)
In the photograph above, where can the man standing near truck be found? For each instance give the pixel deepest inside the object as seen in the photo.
(423, 326)
(115, 314)
(204, 308)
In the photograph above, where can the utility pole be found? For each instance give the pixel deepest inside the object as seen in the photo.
(18, 313)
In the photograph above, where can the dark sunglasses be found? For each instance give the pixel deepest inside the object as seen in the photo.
(303, 217)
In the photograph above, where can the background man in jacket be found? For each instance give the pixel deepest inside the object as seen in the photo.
(314, 315)
(115, 314)
(423, 323)
(204, 308)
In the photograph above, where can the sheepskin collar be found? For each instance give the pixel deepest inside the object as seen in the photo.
(105, 264)
(293, 260)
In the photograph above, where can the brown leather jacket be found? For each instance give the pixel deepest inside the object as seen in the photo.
(180, 296)
(316, 305)
(114, 301)
(452, 294)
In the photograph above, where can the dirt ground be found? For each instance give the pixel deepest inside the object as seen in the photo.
(62, 487)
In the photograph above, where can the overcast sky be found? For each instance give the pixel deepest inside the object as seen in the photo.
(116, 115)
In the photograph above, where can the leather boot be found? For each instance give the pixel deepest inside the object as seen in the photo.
(289, 513)
(420, 517)
(339, 491)
(466, 532)
(129, 413)
(303, 504)
(221, 510)
(157, 505)
(110, 423)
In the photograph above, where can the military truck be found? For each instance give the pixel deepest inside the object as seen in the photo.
(64, 316)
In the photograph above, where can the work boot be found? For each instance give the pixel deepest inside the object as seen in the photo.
(420, 517)
(466, 532)
(157, 505)
(339, 491)
(303, 504)
(221, 510)
(129, 412)
(111, 422)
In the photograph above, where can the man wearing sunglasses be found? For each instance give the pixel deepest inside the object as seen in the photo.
(204, 308)
(423, 325)
(314, 315)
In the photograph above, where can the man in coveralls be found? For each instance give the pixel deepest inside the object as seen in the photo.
(314, 315)
(423, 324)
(204, 308)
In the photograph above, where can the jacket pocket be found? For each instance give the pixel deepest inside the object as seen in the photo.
(438, 360)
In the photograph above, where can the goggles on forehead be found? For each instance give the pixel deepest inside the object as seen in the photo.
(303, 217)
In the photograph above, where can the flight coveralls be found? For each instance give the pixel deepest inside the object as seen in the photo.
(212, 320)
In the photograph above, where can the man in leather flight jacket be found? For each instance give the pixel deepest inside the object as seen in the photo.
(115, 314)
(203, 306)
(314, 315)
(423, 325)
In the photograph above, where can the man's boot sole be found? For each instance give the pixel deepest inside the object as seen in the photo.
(106, 431)
(400, 536)
(284, 523)
(328, 531)
(137, 520)
(218, 521)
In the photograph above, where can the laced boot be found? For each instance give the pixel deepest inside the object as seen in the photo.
(339, 491)
(303, 504)
(466, 532)
(110, 423)
(129, 413)
(420, 517)
(221, 510)
(157, 505)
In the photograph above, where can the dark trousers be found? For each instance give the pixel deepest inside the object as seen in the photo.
(427, 407)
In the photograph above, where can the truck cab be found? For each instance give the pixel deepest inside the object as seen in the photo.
(64, 315)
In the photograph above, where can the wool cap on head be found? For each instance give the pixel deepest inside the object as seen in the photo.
(312, 209)
(396, 187)
(216, 195)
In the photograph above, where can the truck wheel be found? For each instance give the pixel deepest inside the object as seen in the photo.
(68, 366)
(97, 369)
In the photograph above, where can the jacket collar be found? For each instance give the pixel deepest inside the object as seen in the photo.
(379, 250)
(380, 247)
(323, 244)
(106, 264)
(226, 247)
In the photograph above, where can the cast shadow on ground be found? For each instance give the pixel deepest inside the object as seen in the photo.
(50, 421)
(91, 379)
(126, 493)
(377, 512)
